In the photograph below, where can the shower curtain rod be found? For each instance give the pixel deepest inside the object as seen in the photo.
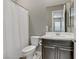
(19, 5)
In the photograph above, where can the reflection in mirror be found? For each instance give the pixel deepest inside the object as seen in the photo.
(70, 17)
(61, 17)
(57, 22)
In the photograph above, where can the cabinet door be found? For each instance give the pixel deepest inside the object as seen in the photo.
(65, 53)
(49, 52)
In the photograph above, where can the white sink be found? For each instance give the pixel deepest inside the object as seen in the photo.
(59, 35)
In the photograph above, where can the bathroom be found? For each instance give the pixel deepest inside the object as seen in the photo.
(28, 20)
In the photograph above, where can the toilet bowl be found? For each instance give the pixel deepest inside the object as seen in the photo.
(29, 50)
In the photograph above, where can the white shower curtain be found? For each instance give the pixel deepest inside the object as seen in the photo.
(16, 30)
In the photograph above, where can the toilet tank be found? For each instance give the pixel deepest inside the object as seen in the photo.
(35, 40)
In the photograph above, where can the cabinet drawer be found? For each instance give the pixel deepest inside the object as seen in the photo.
(58, 43)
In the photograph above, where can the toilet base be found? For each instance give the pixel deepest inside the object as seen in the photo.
(29, 56)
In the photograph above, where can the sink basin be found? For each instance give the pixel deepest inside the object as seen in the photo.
(59, 35)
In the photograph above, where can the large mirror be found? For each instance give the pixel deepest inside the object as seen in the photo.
(61, 17)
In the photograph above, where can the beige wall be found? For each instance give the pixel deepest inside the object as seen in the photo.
(38, 13)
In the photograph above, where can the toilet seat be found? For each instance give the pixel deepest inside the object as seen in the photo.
(28, 48)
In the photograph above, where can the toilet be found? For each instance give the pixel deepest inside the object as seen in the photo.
(29, 50)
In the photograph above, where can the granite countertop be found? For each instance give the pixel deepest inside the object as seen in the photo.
(58, 38)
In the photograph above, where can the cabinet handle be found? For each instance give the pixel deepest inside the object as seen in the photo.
(49, 47)
(65, 49)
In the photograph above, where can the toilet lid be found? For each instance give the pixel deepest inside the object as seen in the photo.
(28, 48)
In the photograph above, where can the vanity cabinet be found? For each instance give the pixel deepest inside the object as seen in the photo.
(54, 49)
